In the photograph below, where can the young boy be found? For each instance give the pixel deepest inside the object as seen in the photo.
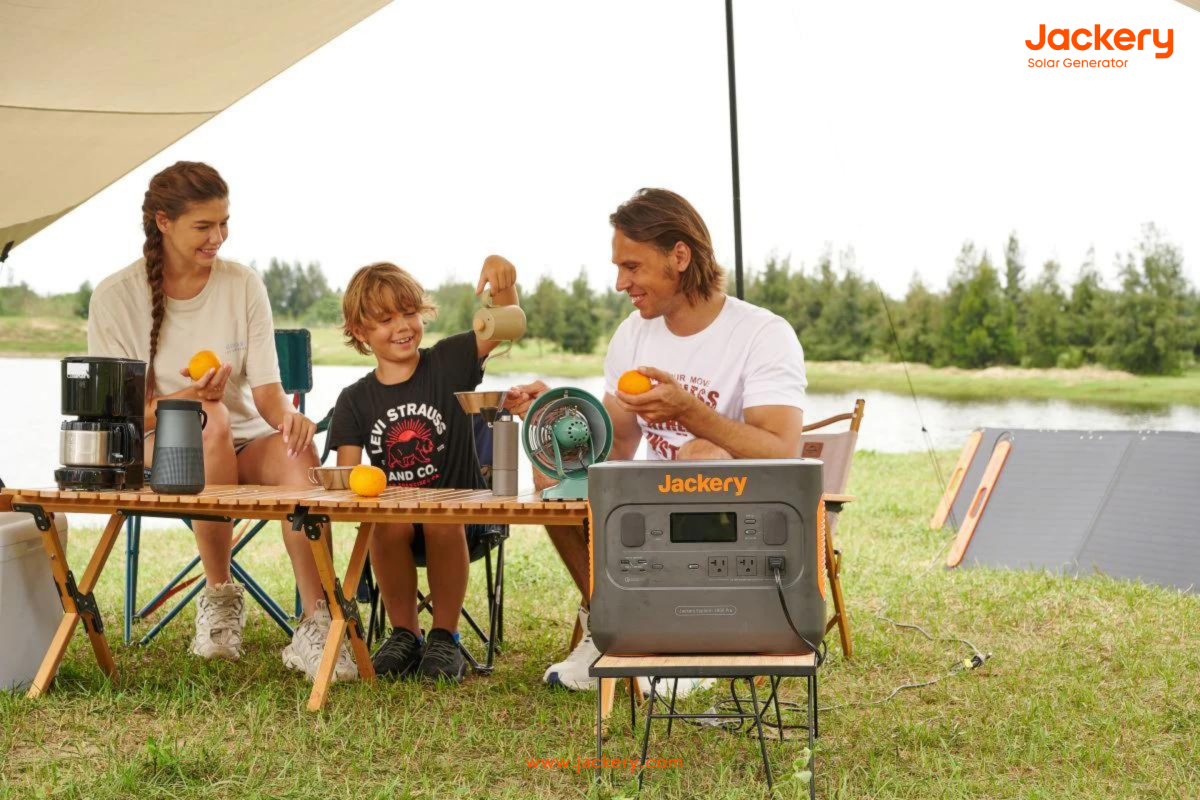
(405, 415)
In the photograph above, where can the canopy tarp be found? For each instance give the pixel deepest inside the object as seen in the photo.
(88, 91)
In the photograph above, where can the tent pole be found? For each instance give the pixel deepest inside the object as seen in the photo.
(733, 144)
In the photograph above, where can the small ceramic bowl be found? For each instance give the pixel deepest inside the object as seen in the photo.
(330, 477)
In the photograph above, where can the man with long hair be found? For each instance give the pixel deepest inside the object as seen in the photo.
(728, 376)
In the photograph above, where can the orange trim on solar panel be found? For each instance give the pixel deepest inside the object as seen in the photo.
(982, 494)
(956, 478)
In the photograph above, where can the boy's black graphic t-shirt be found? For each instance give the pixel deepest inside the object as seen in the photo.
(416, 431)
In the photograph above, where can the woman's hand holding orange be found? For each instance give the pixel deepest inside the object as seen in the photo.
(211, 385)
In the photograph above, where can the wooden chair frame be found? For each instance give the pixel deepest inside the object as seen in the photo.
(833, 556)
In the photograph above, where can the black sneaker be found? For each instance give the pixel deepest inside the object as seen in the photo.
(442, 658)
(399, 655)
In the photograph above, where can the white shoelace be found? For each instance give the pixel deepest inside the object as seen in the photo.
(223, 616)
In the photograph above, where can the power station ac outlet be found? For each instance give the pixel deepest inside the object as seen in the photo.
(718, 567)
(746, 566)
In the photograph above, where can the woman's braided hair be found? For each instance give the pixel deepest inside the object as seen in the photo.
(171, 192)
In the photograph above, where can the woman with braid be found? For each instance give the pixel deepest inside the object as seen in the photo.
(181, 298)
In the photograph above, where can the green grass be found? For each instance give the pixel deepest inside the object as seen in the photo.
(1091, 693)
(44, 337)
(1090, 385)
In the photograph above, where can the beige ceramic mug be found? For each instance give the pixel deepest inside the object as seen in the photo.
(500, 323)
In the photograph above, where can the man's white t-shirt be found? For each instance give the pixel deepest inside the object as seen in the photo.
(230, 316)
(746, 357)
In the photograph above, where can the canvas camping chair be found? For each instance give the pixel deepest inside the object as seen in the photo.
(837, 451)
(294, 349)
(484, 542)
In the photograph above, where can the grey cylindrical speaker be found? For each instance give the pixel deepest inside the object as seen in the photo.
(178, 448)
(505, 443)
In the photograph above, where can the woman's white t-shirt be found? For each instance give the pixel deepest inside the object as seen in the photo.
(746, 357)
(230, 316)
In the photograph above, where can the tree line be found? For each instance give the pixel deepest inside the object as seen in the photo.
(990, 313)
(994, 314)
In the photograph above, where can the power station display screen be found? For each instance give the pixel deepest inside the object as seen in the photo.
(707, 526)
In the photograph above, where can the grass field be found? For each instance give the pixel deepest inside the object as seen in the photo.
(42, 337)
(1093, 691)
(52, 337)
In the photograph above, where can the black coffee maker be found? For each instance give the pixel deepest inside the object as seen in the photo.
(102, 449)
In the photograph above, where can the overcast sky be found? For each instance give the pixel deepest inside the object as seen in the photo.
(433, 134)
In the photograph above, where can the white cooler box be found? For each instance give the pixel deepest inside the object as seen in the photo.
(30, 610)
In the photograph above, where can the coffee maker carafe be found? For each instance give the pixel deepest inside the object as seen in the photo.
(102, 449)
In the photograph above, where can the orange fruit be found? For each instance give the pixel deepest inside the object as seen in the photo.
(202, 362)
(367, 481)
(634, 382)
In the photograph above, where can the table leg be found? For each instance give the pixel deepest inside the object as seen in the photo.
(812, 735)
(775, 683)
(73, 611)
(599, 734)
(342, 624)
(646, 738)
(762, 742)
(54, 656)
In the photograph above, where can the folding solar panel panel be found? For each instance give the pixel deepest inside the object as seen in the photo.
(1121, 503)
(1046, 499)
(962, 502)
(1149, 527)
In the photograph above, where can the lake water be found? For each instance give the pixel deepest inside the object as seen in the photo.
(29, 410)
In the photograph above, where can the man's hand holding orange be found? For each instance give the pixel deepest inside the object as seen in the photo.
(666, 400)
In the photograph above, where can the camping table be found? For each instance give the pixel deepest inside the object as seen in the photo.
(309, 510)
(733, 667)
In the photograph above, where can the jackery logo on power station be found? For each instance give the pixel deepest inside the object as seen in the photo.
(702, 483)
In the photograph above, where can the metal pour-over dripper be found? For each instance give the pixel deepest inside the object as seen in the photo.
(505, 434)
(485, 404)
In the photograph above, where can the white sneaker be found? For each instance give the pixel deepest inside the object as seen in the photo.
(220, 617)
(663, 692)
(573, 672)
(308, 645)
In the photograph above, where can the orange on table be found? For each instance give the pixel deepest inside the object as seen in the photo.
(202, 362)
(367, 481)
(633, 382)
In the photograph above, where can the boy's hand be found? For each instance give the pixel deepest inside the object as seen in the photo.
(519, 398)
(499, 273)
